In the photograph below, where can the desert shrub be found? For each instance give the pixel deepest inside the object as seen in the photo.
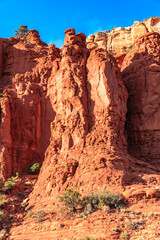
(124, 235)
(30, 214)
(24, 204)
(1, 183)
(34, 168)
(2, 216)
(2, 199)
(72, 200)
(26, 40)
(37, 215)
(40, 215)
(130, 47)
(99, 200)
(88, 238)
(9, 184)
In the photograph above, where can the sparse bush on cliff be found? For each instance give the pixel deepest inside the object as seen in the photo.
(99, 200)
(88, 238)
(22, 30)
(40, 215)
(124, 235)
(2, 216)
(72, 200)
(1, 183)
(11, 182)
(34, 168)
(2, 199)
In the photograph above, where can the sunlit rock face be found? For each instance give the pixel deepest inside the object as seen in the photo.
(121, 39)
(26, 112)
(90, 104)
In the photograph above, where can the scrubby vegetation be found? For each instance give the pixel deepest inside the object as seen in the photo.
(74, 201)
(11, 182)
(2, 199)
(22, 30)
(39, 216)
(34, 168)
(2, 216)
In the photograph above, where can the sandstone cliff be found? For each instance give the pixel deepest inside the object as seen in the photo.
(89, 122)
(89, 100)
(26, 111)
(121, 40)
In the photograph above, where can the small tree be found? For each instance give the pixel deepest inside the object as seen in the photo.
(22, 30)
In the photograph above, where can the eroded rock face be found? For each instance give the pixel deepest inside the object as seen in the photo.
(26, 111)
(33, 37)
(121, 40)
(89, 100)
(1, 58)
(141, 74)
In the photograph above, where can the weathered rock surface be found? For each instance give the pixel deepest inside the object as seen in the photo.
(120, 40)
(89, 100)
(67, 108)
(1, 58)
(141, 75)
(26, 111)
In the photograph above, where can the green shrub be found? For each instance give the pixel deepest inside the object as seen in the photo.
(124, 235)
(88, 238)
(22, 30)
(99, 200)
(24, 204)
(2, 216)
(34, 168)
(26, 40)
(2, 199)
(40, 215)
(9, 184)
(1, 183)
(130, 47)
(72, 200)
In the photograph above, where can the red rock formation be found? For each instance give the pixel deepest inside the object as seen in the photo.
(141, 74)
(26, 111)
(1, 58)
(33, 37)
(89, 100)
(120, 40)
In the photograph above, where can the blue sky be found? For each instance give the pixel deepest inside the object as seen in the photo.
(52, 18)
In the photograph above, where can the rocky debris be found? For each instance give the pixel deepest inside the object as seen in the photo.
(141, 74)
(120, 40)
